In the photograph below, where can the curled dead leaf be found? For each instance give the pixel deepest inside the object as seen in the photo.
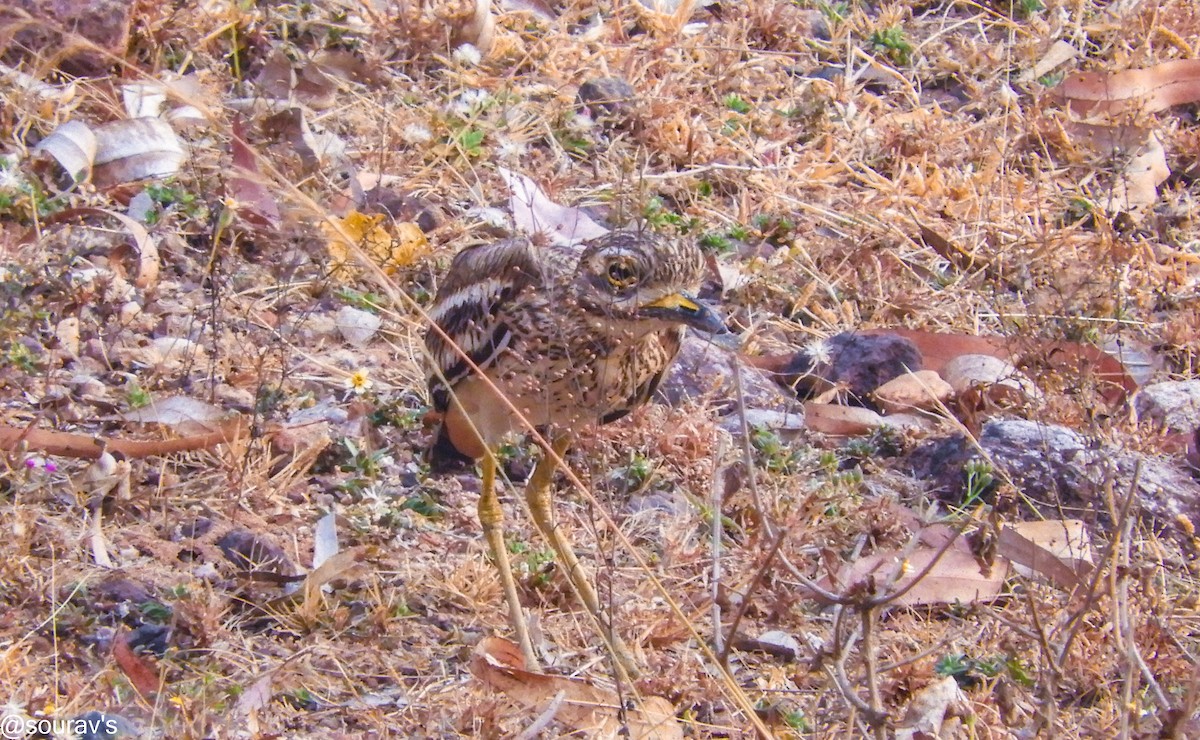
(1148, 90)
(590, 709)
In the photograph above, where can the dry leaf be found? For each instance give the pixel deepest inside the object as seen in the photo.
(325, 539)
(956, 577)
(136, 149)
(183, 414)
(590, 709)
(1136, 157)
(1000, 379)
(478, 30)
(372, 237)
(73, 146)
(1147, 90)
(1059, 550)
(929, 708)
(141, 673)
(248, 190)
(534, 213)
(1059, 53)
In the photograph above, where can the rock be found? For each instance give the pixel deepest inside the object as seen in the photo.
(1056, 464)
(1173, 405)
(105, 23)
(357, 326)
(705, 371)
(860, 363)
(248, 551)
(611, 101)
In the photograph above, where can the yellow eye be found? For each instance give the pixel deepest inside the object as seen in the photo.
(621, 274)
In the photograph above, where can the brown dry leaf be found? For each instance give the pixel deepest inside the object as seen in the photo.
(248, 190)
(535, 213)
(335, 566)
(838, 420)
(391, 252)
(955, 577)
(1059, 550)
(1059, 53)
(142, 675)
(590, 709)
(929, 709)
(1001, 378)
(1147, 90)
(923, 390)
(255, 699)
(146, 246)
(136, 149)
(1137, 158)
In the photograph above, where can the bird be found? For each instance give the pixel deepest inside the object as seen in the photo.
(569, 335)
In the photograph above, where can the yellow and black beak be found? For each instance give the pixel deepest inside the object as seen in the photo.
(685, 309)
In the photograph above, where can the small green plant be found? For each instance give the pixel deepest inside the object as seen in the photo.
(893, 43)
(21, 357)
(156, 611)
(969, 672)
(422, 503)
(168, 195)
(979, 481)
(365, 301)
(469, 141)
(638, 471)
(656, 215)
(361, 463)
(773, 453)
(136, 396)
(737, 104)
(716, 242)
(834, 12)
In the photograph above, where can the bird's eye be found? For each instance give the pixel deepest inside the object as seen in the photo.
(622, 275)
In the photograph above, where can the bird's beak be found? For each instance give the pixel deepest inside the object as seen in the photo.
(685, 309)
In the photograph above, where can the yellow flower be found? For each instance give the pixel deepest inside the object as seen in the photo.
(359, 382)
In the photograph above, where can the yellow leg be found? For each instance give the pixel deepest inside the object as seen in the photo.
(537, 493)
(491, 518)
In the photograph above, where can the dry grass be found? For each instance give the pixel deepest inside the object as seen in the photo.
(811, 158)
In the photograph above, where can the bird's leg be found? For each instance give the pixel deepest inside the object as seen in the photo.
(491, 518)
(537, 493)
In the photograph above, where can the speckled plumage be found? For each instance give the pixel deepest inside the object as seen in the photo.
(554, 333)
(568, 336)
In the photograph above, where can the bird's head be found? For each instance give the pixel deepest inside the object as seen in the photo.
(643, 281)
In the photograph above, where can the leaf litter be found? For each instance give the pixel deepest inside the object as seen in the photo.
(241, 353)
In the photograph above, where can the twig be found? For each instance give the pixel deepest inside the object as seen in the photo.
(718, 502)
(1077, 618)
(723, 655)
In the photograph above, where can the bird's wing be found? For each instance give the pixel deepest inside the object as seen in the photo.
(468, 309)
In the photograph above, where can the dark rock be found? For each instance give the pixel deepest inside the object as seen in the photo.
(119, 590)
(860, 363)
(248, 551)
(150, 638)
(704, 370)
(197, 527)
(1061, 467)
(611, 101)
